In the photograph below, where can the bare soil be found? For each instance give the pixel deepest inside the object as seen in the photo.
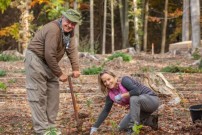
(15, 113)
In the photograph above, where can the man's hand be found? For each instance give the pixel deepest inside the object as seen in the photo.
(63, 78)
(76, 74)
(118, 98)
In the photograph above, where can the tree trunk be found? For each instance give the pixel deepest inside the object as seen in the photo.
(146, 24)
(186, 21)
(76, 30)
(163, 43)
(25, 20)
(136, 26)
(91, 26)
(104, 27)
(121, 19)
(126, 28)
(124, 22)
(112, 24)
(195, 23)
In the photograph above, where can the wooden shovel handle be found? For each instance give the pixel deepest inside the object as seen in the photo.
(73, 98)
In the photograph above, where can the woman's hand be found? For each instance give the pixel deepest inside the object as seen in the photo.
(93, 130)
(118, 98)
(125, 95)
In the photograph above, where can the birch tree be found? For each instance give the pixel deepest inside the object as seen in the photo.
(195, 24)
(91, 25)
(186, 21)
(146, 24)
(76, 30)
(25, 19)
(135, 9)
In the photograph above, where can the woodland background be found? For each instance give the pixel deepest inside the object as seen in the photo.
(108, 25)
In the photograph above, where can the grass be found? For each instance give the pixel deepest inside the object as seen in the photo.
(4, 57)
(1, 130)
(2, 73)
(92, 70)
(124, 56)
(3, 86)
(20, 71)
(12, 80)
(178, 69)
(196, 55)
(200, 64)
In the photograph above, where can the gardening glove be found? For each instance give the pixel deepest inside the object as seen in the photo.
(118, 98)
(93, 130)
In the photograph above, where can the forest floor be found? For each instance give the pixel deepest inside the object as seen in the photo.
(15, 116)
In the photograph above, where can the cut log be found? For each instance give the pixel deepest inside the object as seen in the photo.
(181, 46)
(157, 82)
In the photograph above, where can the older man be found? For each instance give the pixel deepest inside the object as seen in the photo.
(43, 72)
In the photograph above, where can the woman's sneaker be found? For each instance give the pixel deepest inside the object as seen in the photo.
(130, 131)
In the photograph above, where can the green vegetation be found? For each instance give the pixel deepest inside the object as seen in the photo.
(114, 127)
(124, 56)
(176, 69)
(51, 131)
(200, 64)
(20, 71)
(1, 130)
(3, 86)
(89, 102)
(136, 129)
(12, 80)
(4, 57)
(4, 4)
(147, 69)
(92, 70)
(196, 55)
(2, 73)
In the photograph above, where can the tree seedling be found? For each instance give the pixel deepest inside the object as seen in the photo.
(114, 127)
(3, 86)
(12, 80)
(2, 73)
(89, 103)
(51, 131)
(136, 128)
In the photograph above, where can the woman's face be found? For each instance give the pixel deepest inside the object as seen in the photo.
(109, 81)
(67, 25)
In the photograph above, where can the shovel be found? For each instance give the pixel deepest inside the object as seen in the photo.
(74, 103)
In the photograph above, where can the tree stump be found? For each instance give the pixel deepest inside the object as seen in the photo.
(158, 83)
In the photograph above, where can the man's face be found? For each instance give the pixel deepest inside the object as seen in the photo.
(67, 25)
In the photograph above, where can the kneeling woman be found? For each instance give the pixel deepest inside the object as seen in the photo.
(126, 91)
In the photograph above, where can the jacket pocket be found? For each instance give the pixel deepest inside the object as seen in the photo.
(32, 92)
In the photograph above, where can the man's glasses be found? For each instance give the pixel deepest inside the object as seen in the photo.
(68, 21)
